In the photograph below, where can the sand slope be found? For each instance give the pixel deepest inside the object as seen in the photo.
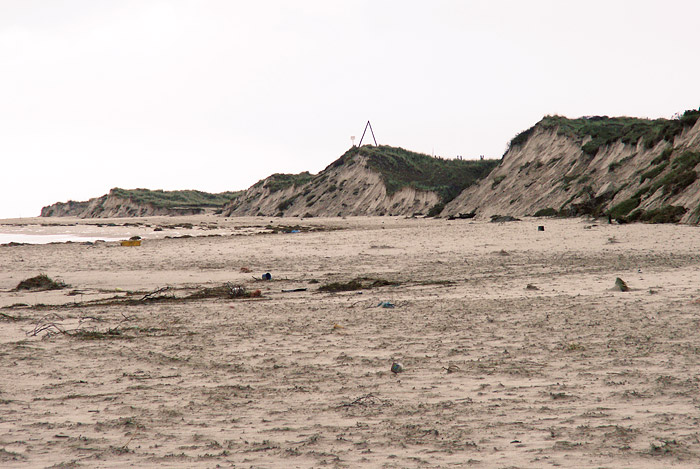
(550, 170)
(350, 188)
(564, 373)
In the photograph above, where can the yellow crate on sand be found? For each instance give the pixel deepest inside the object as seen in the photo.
(131, 242)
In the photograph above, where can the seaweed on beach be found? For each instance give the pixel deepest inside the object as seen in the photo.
(40, 283)
(360, 283)
(352, 285)
(227, 290)
(159, 295)
(81, 334)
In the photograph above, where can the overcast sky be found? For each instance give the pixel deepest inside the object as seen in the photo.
(215, 95)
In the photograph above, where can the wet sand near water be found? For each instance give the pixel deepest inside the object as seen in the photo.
(516, 350)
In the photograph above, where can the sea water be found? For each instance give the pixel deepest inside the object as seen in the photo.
(25, 238)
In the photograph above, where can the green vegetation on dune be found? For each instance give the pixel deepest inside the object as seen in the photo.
(401, 168)
(546, 212)
(663, 214)
(653, 172)
(286, 203)
(686, 160)
(664, 156)
(604, 130)
(675, 182)
(681, 175)
(175, 199)
(624, 207)
(281, 181)
(668, 174)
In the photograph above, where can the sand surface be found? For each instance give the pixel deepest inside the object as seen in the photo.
(516, 350)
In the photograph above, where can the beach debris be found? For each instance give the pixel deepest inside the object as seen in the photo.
(41, 282)
(502, 218)
(462, 216)
(157, 293)
(451, 368)
(386, 304)
(367, 400)
(235, 291)
(84, 334)
(338, 326)
(51, 325)
(273, 229)
(131, 242)
(341, 286)
(620, 285)
(267, 276)
(227, 290)
(531, 287)
(396, 367)
(48, 325)
(380, 282)
(540, 228)
(359, 283)
(292, 290)
(134, 238)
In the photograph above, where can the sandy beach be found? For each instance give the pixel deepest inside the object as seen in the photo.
(517, 350)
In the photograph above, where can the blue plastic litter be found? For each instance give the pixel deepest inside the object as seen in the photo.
(386, 304)
(267, 276)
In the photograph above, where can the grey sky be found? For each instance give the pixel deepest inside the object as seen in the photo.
(214, 95)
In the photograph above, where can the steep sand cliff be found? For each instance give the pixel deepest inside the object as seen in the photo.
(550, 172)
(121, 203)
(627, 168)
(350, 188)
(110, 206)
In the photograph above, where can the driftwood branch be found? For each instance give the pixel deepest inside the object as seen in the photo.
(46, 326)
(154, 293)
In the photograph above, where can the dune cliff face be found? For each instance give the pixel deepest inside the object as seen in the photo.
(64, 209)
(649, 178)
(112, 206)
(371, 180)
(626, 168)
(348, 187)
